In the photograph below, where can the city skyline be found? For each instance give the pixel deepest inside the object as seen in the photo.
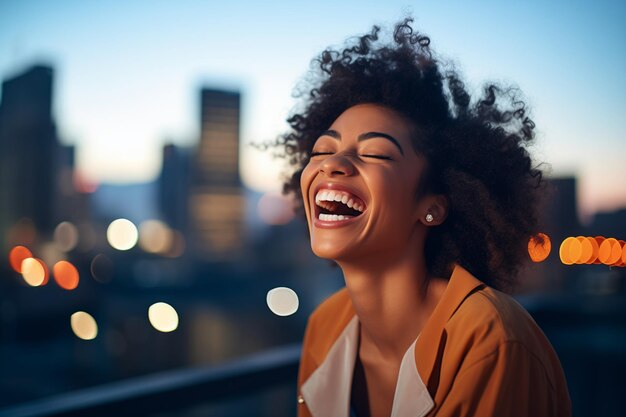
(120, 97)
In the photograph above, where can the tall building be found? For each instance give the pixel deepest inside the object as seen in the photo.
(29, 152)
(216, 199)
(560, 213)
(173, 186)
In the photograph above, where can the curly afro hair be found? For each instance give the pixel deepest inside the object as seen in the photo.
(476, 148)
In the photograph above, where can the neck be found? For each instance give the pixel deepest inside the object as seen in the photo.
(393, 300)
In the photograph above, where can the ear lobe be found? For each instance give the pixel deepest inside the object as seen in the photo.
(436, 211)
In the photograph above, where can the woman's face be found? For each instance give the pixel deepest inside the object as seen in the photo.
(359, 187)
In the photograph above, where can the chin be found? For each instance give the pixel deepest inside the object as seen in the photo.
(327, 250)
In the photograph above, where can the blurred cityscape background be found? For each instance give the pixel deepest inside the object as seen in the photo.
(145, 242)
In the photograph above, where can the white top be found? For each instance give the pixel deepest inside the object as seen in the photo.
(329, 386)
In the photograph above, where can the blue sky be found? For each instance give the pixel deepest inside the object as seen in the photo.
(128, 73)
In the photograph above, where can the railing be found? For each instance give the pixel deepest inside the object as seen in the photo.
(167, 391)
(587, 332)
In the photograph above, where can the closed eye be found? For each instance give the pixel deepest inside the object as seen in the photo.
(365, 156)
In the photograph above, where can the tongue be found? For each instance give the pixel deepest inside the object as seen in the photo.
(340, 208)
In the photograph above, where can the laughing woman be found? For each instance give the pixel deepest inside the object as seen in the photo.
(426, 199)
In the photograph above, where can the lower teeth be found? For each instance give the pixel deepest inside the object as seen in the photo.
(334, 217)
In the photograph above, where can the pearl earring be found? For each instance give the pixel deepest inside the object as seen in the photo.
(429, 217)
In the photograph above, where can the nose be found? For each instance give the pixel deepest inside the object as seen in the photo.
(337, 164)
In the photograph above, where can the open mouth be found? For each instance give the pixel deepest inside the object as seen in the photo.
(337, 205)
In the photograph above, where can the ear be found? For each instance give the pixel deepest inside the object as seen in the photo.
(434, 208)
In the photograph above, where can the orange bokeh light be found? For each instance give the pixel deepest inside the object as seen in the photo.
(610, 251)
(539, 247)
(599, 240)
(586, 250)
(17, 256)
(594, 242)
(66, 275)
(593, 250)
(568, 254)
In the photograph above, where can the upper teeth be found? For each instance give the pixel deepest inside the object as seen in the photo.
(340, 196)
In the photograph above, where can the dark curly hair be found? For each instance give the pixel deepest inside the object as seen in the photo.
(476, 149)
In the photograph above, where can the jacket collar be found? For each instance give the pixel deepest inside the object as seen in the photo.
(328, 388)
(429, 349)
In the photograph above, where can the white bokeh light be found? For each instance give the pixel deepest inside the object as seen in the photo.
(33, 272)
(122, 234)
(84, 325)
(163, 317)
(282, 301)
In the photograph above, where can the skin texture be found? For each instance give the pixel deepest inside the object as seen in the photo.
(381, 252)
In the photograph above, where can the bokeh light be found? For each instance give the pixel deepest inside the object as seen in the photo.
(567, 253)
(539, 247)
(34, 272)
(122, 234)
(17, 256)
(593, 250)
(177, 248)
(84, 325)
(66, 275)
(155, 236)
(282, 301)
(275, 209)
(82, 184)
(163, 317)
(101, 268)
(610, 251)
(66, 236)
(586, 250)
(594, 243)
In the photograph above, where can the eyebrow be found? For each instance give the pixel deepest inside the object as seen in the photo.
(365, 136)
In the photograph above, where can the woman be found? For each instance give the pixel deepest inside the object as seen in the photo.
(426, 199)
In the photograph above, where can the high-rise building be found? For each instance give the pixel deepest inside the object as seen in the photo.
(216, 198)
(173, 186)
(29, 152)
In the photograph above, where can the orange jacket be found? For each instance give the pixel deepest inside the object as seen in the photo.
(479, 354)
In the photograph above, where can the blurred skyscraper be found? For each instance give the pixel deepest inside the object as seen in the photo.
(173, 186)
(560, 214)
(216, 199)
(30, 155)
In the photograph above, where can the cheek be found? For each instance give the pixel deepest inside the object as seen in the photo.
(305, 182)
(395, 193)
(306, 178)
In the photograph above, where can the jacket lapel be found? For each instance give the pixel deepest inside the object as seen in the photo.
(327, 390)
(412, 398)
(429, 347)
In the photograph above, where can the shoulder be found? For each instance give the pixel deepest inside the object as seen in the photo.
(496, 314)
(490, 324)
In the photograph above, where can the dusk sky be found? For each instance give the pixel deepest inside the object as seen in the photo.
(128, 74)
